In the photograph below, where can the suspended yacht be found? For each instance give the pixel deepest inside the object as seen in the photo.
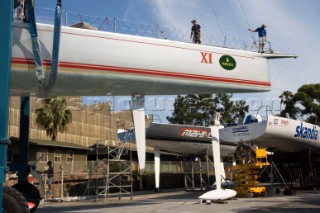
(97, 63)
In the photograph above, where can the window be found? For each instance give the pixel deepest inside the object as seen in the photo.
(69, 157)
(57, 156)
(43, 155)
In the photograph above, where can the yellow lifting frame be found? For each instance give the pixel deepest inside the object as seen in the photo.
(246, 175)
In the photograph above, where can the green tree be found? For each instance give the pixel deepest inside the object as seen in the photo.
(304, 104)
(239, 110)
(285, 97)
(53, 116)
(192, 109)
(198, 109)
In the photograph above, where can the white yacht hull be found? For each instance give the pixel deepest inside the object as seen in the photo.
(185, 139)
(276, 133)
(104, 63)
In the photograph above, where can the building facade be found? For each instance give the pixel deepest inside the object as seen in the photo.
(91, 124)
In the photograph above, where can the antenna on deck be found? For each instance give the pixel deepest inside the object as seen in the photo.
(245, 18)
(224, 36)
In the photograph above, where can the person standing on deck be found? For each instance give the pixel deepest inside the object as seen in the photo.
(195, 32)
(262, 36)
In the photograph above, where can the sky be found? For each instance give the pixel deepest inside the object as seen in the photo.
(292, 27)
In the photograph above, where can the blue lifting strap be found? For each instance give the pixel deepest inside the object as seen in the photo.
(34, 39)
(45, 88)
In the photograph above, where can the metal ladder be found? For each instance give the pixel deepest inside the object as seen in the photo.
(125, 141)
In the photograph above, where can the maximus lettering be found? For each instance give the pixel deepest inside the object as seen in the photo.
(305, 132)
(195, 133)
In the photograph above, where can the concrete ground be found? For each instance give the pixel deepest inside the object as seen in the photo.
(181, 201)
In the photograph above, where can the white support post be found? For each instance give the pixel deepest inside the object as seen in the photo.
(218, 193)
(157, 168)
(216, 150)
(61, 194)
(139, 127)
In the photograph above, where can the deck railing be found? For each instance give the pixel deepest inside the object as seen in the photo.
(111, 24)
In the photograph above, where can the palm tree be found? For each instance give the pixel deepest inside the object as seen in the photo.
(53, 116)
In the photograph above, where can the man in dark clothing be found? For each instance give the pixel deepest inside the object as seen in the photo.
(195, 32)
(50, 173)
(262, 36)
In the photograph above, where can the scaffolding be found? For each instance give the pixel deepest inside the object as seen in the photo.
(111, 176)
(116, 178)
(197, 173)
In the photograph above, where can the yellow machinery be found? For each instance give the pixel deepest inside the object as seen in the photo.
(247, 173)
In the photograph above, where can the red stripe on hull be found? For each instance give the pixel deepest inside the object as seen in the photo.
(146, 72)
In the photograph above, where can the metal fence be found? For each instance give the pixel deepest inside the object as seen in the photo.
(68, 183)
(111, 24)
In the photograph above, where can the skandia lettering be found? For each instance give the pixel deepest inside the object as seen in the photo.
(305, 132)
(240, 129)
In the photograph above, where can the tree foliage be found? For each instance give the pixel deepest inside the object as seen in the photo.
(305, 104)
(198, 109)
(53, 116)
